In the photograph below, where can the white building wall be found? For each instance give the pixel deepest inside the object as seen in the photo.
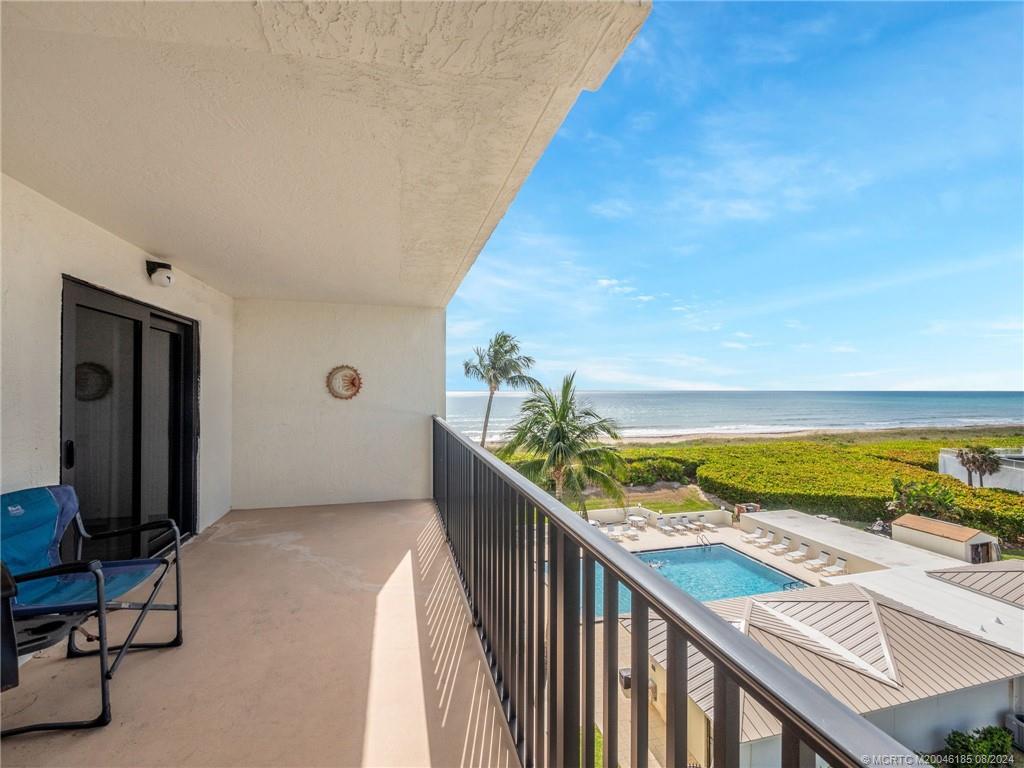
(958, 549)
(295, 444)
(1009, 478)
(920, 725)
(923, 725)
(42, 240)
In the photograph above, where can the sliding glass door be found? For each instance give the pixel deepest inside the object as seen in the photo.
(128, 389)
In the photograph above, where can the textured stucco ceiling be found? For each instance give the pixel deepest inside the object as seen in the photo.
(357, 152)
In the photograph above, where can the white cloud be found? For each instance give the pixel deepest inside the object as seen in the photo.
(844, 349)
(743, 335)
(643, 299)
(733, 345)
(615, 286)
(612, 208)
(642, 121)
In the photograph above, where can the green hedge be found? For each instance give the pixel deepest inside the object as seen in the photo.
(848, 481)
(851, 481)
(647, 470)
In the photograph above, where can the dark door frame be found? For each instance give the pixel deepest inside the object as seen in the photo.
(102, 299)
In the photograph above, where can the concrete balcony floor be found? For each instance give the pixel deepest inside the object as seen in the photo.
(315, 636)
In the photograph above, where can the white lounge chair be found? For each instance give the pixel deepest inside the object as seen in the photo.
(800, 554)
(631, 533)
(613, 533)
(706, 525)
(765, 540)
(751, 537)
(679, 525)
(819, 562)
(782, 547)
(691, 525)
(835, 570)
(662, 525)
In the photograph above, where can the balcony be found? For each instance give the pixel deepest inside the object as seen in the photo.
(342, 635)
(409, 633)
(334, 635)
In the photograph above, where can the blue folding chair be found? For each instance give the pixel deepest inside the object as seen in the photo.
(54, 599)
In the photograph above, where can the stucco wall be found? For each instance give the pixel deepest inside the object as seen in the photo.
(42, 240)
(958, 549)
(1010, 478)
(923, 725)
(295, 444)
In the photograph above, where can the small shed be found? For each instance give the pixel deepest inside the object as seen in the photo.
(968, 544)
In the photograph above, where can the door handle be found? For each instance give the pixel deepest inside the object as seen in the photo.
(69, 454)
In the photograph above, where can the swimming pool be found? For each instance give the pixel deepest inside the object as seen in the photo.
(712, 572)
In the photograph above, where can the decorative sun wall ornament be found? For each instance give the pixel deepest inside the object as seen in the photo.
(344, 382)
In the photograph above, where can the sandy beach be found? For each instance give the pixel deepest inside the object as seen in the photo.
(954, 434)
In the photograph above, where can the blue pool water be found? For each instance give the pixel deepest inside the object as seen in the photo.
(713, 572)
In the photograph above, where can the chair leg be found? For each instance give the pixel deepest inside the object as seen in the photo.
(121, 649)
(104, 716)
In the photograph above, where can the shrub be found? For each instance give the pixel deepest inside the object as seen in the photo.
(918, 497)
(650, 470)
(991, 741)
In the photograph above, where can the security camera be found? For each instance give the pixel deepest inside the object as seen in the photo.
(160, 273)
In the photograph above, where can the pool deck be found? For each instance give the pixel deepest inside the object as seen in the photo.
(652, 539)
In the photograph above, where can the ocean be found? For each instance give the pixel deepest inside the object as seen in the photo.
(664, 414)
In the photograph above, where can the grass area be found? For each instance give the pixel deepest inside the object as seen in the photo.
(1013, 554)
(845, 475)
(669, 501)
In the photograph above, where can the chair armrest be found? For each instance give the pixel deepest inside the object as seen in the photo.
(76, 566)
(152, 525)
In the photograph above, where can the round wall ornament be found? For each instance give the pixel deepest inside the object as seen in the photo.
(92, 381)
(344, 382)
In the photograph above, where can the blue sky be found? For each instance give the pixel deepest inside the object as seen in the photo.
(776, 196)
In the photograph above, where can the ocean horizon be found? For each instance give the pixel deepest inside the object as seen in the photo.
(653, 414)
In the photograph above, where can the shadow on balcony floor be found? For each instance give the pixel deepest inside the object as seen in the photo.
(315, 636)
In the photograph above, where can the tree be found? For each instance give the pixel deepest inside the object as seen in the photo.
(921, 498)
(966, 458)
(501, 363)
(560, 437)
(986, 463)
(980, 459)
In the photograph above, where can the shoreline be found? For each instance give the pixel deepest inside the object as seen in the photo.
(846, 433)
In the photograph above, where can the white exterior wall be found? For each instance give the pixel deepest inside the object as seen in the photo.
(920, 725)
(1009, 478)
(295, 444)
(923, 725)
(42, 240)
(959, 549)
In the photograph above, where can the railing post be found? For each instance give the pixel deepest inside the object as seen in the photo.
(795, 753)
(588, 693)
(675, 710)
(640, 682)
(726, 720)
(610, 701)
(568, 654)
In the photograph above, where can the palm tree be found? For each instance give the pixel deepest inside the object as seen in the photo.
(978, 458)
(501, 363)
(560, 437)
(986, 462)
(966, 458)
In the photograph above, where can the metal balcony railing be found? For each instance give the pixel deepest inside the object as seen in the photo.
(527, 564)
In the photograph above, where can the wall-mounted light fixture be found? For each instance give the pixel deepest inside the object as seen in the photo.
(160, 273)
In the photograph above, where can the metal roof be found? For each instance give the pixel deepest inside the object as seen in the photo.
(1003, 580)
(867, 650)
(941, 528)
